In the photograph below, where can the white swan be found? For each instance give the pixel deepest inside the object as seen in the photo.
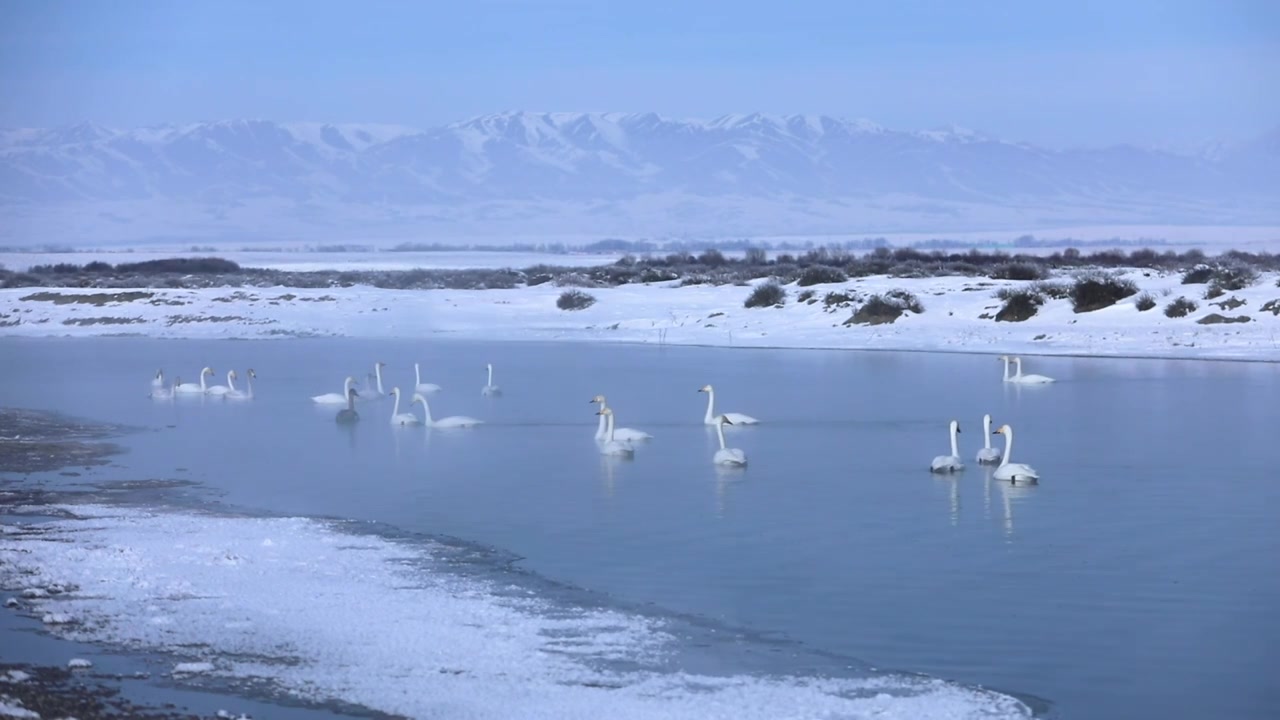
(1013, 472)
(490, 388)
(420, 386)
(241, 394)
(377, 376)
(987, 455)
(1029, 379)
(221, 389)
(336, 398)
(453, 421)
(192, 388)
(348, 414)
(712, 419)
(165, 393)
(727, 455)
(157, 382)
(399, 418)
(611, 445)
(624, 434)
(949, 463)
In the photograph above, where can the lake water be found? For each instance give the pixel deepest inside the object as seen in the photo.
(1138, 579)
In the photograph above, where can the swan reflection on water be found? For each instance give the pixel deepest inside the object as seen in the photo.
(726, 477)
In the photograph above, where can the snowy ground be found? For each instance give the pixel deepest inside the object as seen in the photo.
(323, 614)
(661, 313)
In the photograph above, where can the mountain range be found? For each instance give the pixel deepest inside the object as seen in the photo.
(521, 175)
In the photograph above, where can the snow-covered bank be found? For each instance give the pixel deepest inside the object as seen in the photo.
(325, 614)
(958, 316)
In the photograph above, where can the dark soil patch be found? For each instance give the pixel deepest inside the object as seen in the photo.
(96, 299)
(1216, 319)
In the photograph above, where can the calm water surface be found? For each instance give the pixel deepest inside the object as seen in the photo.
(1139, 579)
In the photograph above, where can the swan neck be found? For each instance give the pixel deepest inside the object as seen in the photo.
(231, 383)
(720, 434)
(986, 432)
(602, 428)
(417, 379)
(610, 427)
(1008, 446)
(955, 448)
(490, 376)
(426, 410)
(377, 374)
(1018, 362)
(711, 401)
(395, 410)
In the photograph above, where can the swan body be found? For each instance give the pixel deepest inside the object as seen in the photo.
(712, 419)
(1018, 377)
(419, 386)
(949, 463)
(236, 394)
(335, 398)
(165, 393)
(611, 445)
(348, 414)
(453, 421)
(490, 388)
(987, 455)
(726, 455)
(1011, 471)
(623, 434)
(222, 389)
(193, 388)
(399, 418)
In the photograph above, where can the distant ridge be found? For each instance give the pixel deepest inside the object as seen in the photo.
(599, 174)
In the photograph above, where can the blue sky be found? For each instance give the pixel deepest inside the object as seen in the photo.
(1177, 72)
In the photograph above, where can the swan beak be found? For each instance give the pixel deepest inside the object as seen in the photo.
(599, 412)
(996, 432)
(958, 430)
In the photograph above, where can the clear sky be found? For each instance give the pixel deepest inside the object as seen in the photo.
(1062, 73)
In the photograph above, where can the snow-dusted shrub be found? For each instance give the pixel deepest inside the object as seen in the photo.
(1094, 291)
(1180, 308)
(574, 300)
(766, 294)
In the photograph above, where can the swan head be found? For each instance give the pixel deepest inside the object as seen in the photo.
(159, 374)
(605, 411)
(207, 371)
(596, 399)
(381, 364)
(955, 426)
(252, 374)
(395, 391)
(1002, 430)
(417, 397)
(488, 366)
(705, 388)
(232, 374)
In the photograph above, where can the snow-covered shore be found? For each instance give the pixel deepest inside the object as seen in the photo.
(958, 316)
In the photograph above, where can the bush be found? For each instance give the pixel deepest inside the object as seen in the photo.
(185, 266)
(1180, 308)
(804, 296)
(1213, 291)
(756, 256)
(1017, 271)
(820, 274)
(766, 294)
(1145, 302)
(1233, 277)
(574, 300)
(1094, 292)
(906, 300)
(837, 299)
(712, 258)
(1197, 275)
(1020, 304)
(886, 308)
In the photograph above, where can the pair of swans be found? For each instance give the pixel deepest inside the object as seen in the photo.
(229, 390)
(408, 418)
(606, 432)
(1019, 377)
(1011, 471)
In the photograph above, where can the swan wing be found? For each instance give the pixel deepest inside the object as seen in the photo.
(630, 434)
(740, 419)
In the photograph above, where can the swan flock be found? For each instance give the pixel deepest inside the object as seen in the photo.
(611, 440)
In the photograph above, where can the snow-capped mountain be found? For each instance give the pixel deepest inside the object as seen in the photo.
(596, 174)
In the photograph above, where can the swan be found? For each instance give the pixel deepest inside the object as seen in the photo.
(165, 393)
(727, 456)
(949, 463)
(192, 388)
(348, 414)
(157, 382)
(1013, 472)
(1029, 379)
(420, 386)
(712, 419)
(611, 445)
(377, 378)
(624, 434)
(490, 388)
(399, 418)
(222, 389)
(453, 421)
(241, 394)
(987, 455)
(335, 398)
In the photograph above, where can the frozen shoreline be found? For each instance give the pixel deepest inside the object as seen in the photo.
(660, 313)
